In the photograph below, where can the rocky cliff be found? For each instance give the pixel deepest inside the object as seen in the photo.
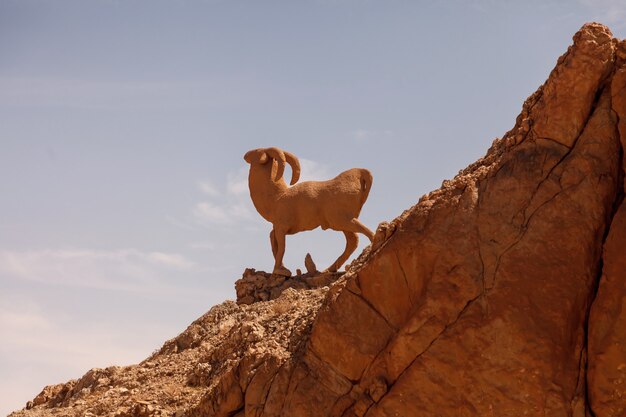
(501, 293)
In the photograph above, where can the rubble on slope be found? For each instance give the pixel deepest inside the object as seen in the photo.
(176, 377)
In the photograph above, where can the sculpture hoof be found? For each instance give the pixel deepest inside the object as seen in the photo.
(282, 271)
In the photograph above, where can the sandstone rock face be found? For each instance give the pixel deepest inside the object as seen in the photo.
(607, 325)
(503, 293)
(607, 328)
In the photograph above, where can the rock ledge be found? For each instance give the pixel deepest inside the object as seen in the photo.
(255, 286)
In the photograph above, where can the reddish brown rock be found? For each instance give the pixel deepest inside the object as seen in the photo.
(568, 96)
(607, 328)
(606, 376)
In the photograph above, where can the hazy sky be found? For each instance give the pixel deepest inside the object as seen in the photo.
(125, 212)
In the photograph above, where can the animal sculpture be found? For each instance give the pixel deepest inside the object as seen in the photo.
(332, 204)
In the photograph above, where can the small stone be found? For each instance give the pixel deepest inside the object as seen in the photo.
(309, 264)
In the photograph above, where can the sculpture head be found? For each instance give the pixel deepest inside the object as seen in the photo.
(262, 156)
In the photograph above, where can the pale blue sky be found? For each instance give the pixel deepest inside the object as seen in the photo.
(125, 212)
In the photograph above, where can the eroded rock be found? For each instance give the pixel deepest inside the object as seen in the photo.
(255, 286)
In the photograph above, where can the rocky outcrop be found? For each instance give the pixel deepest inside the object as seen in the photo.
(499, 294)
(256, 286)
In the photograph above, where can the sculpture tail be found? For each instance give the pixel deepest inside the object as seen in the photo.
(366, 184)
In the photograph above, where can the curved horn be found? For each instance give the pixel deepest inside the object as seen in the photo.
(279, 156)
(295, 167)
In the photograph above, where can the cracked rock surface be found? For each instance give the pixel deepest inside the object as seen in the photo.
(502, 293)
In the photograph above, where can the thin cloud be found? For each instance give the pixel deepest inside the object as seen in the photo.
(54, 338)
(171, 260)
(361, 135)
(237, 183)
(313, 171)
(180, 223)
(203, 245)
(225, 209)
(241, 211)
(47, 347)
(207, 212)
(207, 187)
(123, 270)
(130, 95)
(29, 321)
(26, 91)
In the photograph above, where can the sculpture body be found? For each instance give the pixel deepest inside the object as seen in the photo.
(333, 204)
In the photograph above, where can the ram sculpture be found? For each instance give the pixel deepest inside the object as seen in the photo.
(333, 204)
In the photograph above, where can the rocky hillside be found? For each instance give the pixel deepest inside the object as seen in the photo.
(503, 293)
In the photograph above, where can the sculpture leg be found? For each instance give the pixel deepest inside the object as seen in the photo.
(273, 243)
(357, 226)
(279, 268)
(352, 241)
